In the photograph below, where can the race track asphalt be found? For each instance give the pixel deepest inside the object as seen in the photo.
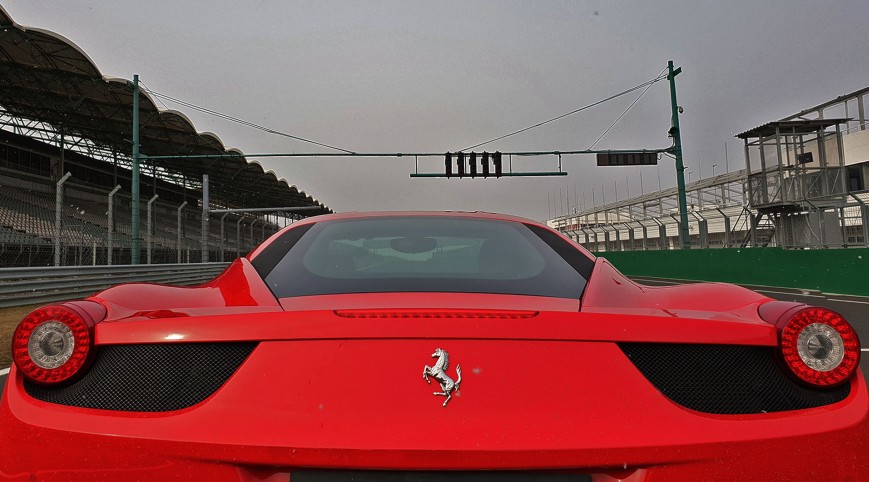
(855, 309)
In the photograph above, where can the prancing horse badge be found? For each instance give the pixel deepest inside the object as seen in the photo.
(439, 373)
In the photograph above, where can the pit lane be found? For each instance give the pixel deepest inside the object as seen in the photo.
(855, 309)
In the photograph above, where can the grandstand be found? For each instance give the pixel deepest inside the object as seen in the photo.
(59, 115)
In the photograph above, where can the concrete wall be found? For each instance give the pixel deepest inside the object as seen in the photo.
(844, 271)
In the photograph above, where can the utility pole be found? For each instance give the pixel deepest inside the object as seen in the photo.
(134, 201)
(677, 151)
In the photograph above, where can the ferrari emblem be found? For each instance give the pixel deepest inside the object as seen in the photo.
(439, 373)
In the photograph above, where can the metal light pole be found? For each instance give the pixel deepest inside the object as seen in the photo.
(58, 217)
(134, 201)
(111, 228)
(150, 227)
(677, 151)
(204, 233)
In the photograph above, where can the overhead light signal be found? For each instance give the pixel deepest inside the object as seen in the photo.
(470, 167)
(636, 158)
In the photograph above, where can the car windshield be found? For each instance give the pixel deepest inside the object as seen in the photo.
(434, 254)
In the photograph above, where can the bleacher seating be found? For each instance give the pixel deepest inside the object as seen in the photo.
(27, 226)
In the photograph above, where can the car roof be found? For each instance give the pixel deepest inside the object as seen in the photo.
(377, 214)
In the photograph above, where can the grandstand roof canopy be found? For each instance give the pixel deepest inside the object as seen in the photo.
(47, 78)
(791, 127)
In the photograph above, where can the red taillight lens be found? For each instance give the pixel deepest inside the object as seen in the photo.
(52, 344)
(819, 346)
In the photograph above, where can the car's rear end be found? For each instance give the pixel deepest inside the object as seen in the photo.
(633, 383)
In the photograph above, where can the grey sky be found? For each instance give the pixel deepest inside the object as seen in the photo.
(404, 76)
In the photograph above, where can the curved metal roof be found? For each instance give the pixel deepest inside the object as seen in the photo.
(46, 77)
(791, 127)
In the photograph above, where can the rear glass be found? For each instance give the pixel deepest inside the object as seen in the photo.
(423, 254)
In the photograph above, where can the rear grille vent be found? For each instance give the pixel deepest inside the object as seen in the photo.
(148, 378)
(726, 379)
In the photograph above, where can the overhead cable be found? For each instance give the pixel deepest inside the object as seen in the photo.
(632, 89)
(623, 113)
(242, 121)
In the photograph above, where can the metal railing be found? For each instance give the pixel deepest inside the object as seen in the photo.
(69, 223)
(23, 286)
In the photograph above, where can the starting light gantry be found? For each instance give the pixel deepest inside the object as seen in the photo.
(631, 157)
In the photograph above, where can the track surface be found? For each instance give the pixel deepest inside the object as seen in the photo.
(855, 309)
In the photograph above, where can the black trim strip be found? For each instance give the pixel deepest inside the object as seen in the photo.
(574, 257)
(266, 260)
(433, 476)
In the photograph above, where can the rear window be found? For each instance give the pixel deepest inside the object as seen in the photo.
(422, 254)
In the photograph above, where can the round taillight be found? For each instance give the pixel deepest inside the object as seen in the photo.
(52, 344)
(820, 347)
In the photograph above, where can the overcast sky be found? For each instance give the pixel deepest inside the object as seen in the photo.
(406, 76)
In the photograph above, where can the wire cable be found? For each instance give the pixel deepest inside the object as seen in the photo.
(242, 121)
(146, 89)
(623, 113)
(632, 89)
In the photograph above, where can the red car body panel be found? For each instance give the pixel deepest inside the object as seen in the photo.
(336, 383)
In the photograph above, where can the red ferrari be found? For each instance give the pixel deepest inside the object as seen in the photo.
(432, 347)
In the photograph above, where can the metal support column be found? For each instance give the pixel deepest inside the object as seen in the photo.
(864, 211)
(753, 221)
(842, 170)
(62, 151)
(205, 200)
(178, 244)
(749, 195)
(861, 113)
(677, 152)
(703, 226)
(726, 228)
(662, 236)
(111, 228)
(150, 226)
(134, 200)
(222, 238)
(238, 237)
(58, 217)
(252, 239)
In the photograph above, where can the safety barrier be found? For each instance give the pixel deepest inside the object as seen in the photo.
(842, 271)
(22, 286)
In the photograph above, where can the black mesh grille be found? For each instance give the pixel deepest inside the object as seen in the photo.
(149, 378)
(726, 379)
(426, 476)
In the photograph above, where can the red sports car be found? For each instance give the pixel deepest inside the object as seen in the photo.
(432, 347)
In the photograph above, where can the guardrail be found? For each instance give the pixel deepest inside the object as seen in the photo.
(24, 286)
